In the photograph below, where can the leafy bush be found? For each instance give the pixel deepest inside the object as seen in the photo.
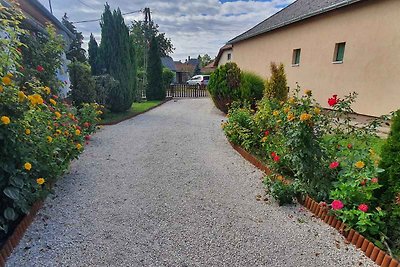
(167, 77)
(224, 85)
(104, 85)
(282, 190)
(39, 134)
(83, 88)
(251, 87)
(276, 86)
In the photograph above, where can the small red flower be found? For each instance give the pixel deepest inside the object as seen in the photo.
(349, 146)
(273, 154)
(86, 125)
(55, 96)
(277, 158)
(39, 68)
(266, 133)
(333, 100)
(78, 128)
(19, 50)
(323, 204)
(363, 182)
(374, 180)
(337, 205)
(334, 165)
(363, 207)
(87, 137)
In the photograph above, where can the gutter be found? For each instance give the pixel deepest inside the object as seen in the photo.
(291, 21)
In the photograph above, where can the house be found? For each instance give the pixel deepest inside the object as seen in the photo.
(184, 72)
(224, 56)
(169, 63)
(208, 69)
(37, 16)
(331, 47)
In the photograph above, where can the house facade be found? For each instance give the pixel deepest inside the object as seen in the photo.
(331, 47)
(224, 56)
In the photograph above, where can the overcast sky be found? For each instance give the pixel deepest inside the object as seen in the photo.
(195, 27)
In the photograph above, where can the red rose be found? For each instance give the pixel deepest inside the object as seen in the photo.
(273, 154)
(363, 207)
(39, 68)
(87, 137)
(266, 133)
(79, 128)
(374, 180)
(86, 125)
(349, 146)
(277, 158)
(337, 205)
(363, 182)
(333, 100)
(334, 165)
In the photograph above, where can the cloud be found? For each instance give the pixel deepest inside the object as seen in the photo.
(195, 27)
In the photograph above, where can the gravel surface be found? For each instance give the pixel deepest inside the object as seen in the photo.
(166, 189)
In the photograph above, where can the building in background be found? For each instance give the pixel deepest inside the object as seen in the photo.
(224, 56)
(37, 16)
(330, 47)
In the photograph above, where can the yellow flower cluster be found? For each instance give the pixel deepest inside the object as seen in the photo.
(317, 111)
(53, 102)
(36, 99)
(6, 80)
(305, 117)
(286, 109)
(308, 92)
(40, 181)
(58, 114)
(78, 146)
(21, 96)
(47, 90)
(77, 132)
(49, 139)
(359, 164)
(290, 116)
(5, 120)
(27, 131)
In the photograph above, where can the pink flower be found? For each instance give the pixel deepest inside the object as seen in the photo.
(334, 165)
(337, 205)
(333, 100)
(363, 207)
(39, 68)
(277, 158)
(374, 180)
(87, 137)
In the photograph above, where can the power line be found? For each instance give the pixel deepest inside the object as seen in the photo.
(94, 20)
(86, 5)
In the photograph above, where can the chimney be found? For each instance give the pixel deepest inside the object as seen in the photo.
(188, 58)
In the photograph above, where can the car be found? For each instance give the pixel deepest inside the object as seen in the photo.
(199, 80)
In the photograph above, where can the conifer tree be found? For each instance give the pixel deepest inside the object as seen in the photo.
(93, 52)
(117, 58)
(75, 51)
(155, 90)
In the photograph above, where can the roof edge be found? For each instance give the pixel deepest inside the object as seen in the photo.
(344, 3)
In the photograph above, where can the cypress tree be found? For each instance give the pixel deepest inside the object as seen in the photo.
(155, 90)
(93, 51)
(116, 58)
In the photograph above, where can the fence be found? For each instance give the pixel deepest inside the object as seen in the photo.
(185, 90)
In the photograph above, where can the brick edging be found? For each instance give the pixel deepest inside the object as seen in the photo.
(134, 115)
(13, 241)
(377, 255)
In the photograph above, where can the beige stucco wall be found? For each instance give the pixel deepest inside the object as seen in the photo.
(371, 66)
(224, 58)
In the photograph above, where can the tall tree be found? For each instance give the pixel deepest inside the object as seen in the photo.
(75, 51)
(205, 60)
(93, 52)
(117, 58)
(155, 90)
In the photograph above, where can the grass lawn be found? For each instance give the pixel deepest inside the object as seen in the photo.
(111, 117)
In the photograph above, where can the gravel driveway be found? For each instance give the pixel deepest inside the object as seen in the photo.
(166, 189)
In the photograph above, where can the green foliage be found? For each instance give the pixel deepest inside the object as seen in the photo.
(167, 77)
(83, 88)
(104, 85)
(117, 57)
(155, 89)
(276, 86)
(224, 85)
(75, 50)
(281, 190)
(251, 87)
(93, 52)
(41, 57)
(205, 60)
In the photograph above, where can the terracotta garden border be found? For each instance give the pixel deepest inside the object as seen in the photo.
(13, 240)
(377, 255)
(134, 115)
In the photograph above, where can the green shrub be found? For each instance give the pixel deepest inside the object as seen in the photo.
(224, 86)
(276, 86)
(251, 87)
(155, 89)
(167, 78)
(281, 190)
(104, 85)
(83, 87)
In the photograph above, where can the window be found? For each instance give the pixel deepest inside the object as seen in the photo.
(339, 53)
(229, 56)
(296, 57)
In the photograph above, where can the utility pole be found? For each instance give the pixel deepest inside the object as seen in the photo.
(51, 9)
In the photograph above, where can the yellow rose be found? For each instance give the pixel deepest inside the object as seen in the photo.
(40, 181)
(291, 100)
(78, 146)
(286, 109)
(276, 113)
(49, 139)
(317, 111)
(21, 96)
(77, 132)
(5, 120)
(359, 164)
(53, 102)
(58, 114)
(27, 131)
(47, 90)
(6, 80)
(290, 117)
(305, 117)
(28, 166)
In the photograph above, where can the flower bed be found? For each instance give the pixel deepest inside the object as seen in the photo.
(323, 154)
